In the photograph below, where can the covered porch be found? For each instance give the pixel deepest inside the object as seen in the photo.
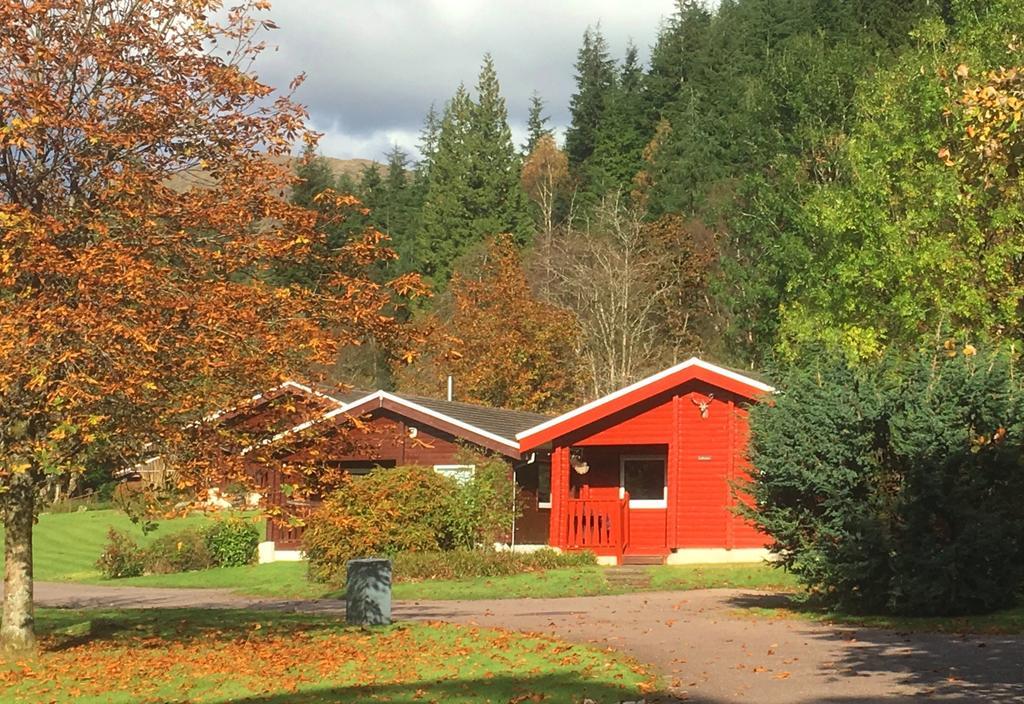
(611, 500)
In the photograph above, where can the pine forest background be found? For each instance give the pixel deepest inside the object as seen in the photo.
(782, 175)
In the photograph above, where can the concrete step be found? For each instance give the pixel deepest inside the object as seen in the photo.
(643, 559)
(628, 577)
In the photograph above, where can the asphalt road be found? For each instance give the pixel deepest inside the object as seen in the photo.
(703, 641)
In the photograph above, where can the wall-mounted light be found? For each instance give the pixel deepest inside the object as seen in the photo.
(578, 463)
(413, 431)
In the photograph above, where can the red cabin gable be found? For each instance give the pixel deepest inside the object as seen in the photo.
(648, 472)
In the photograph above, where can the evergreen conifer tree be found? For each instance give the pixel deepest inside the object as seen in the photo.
(536, 124)
(372, 190)
(622, 133)
(498, 202)
(473, 188)
(315, 176)
(595, 78)
(429, 135)
(446, 231)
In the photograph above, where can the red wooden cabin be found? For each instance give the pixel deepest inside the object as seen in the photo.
(645, 474)
(394, 429)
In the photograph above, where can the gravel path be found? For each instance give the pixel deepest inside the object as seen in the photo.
(701, 640)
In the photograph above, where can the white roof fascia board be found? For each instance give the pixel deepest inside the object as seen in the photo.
(691, 362)
(310, 423)
(448, 419)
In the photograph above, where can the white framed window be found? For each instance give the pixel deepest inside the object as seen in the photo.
(543, 485)
(644, 477)
(461, 473)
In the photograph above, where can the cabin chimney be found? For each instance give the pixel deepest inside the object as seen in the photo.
(450, 386)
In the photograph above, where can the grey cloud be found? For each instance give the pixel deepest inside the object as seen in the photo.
(374, 68)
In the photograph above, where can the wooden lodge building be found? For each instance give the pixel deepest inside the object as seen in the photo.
(394, 429)
(646, 474)
(642, 475)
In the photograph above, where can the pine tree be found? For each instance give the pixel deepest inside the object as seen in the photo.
(536, 123)
(315, 176)
(371, 187)
(679, 56)
(398, 215)
(622, 134)
(498, 202)
(473, 189)
(446, 230)
(595, 78)
(429, 135)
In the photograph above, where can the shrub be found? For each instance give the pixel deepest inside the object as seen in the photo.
(897, 487)
(479, 512)
(184, 551)
(121, 557)
(465, 563)
(232, 541)
(77, 504)
(134, 498)
(382, 513)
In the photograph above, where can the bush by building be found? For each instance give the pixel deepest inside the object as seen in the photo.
(405, 510)
(232, 541)
(463, 563)
(227, 542)
(896, 487)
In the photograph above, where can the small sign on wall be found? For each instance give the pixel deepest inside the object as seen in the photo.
(703, 458)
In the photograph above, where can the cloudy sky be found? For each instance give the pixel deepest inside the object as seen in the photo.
(375, 66)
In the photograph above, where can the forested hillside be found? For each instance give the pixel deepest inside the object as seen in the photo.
(780, 175)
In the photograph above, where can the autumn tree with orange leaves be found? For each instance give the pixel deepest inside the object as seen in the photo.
(503, 346)
(130, 309)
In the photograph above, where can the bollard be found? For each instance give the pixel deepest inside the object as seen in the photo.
(368, 593)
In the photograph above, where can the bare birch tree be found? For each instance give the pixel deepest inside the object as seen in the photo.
(606, 272)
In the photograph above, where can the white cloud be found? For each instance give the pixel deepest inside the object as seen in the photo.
(374, 68)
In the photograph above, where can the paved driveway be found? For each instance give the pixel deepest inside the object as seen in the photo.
(701, 640)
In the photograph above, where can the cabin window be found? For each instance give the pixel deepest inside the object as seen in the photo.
(643, 476)
(461, 473)
(359, 468)
(543, 485)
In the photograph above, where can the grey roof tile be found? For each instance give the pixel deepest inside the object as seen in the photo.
(502, 422)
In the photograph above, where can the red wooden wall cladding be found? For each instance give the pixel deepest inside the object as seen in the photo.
(702, 431)
(388, 440)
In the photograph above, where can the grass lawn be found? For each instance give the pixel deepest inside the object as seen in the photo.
(215, 657)
(67, 545)
(287, 580)
(739, 576)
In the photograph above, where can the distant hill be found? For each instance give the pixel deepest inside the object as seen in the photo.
(348, 167)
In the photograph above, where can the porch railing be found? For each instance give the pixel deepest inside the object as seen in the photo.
(598, 524)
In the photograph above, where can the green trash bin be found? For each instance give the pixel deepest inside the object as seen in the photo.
(368, 592)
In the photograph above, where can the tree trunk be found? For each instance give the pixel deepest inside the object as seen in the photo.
(17, 629)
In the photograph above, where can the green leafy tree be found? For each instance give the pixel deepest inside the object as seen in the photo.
(896, 487)
(906, 244)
